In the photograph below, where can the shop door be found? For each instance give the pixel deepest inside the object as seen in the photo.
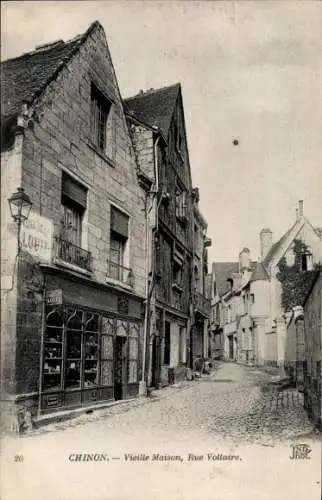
(120, 368)
(155, 361)
(231, 347)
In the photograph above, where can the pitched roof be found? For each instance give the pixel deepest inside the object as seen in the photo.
(259, 273)
(223, 271)
(154, 107)
(25, 77)
(278, 245)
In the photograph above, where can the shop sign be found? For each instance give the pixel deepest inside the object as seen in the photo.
(54, 297)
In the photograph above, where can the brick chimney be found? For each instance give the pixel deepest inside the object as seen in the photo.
(266, 241)
(301, 208)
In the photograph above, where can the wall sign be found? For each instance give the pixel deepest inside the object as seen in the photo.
(54, 297)
(36, 236)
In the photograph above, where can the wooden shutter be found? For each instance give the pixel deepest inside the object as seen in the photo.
(74, 191)
(119, 222)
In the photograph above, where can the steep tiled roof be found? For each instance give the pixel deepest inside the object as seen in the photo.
(277, 246)
(259, 273)
(24, 78)
(224, 270)
(154, 107)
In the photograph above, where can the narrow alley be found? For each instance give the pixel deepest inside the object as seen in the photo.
(213, 426)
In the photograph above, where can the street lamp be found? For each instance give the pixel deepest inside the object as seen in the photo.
(20, 206)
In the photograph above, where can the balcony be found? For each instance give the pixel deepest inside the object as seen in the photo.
(120, 273)
(72, 254)
(178, 300)
(202, 305)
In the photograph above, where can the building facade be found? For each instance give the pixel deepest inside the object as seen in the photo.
(199, 343)
(73, 296)
(156, 121)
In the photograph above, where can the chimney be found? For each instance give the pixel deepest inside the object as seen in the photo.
(266, 241)
(301, 208)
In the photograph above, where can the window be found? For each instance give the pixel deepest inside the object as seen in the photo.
(118, 242)
(181, 204)
(177, 275)
(100, 114)
(74, 202)
(166, 354)
(306, 262)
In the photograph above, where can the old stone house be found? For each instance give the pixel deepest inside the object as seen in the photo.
(156, 121)
(73, 296)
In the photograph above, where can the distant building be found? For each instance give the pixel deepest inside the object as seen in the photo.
(256, 299)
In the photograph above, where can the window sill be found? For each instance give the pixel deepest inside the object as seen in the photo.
(112, 281)
(100, 153)
(71, 267)
(177, 287)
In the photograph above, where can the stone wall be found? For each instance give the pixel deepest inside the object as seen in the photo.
(313, 347)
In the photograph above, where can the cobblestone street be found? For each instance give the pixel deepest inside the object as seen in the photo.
(227, 412)
(231, 403)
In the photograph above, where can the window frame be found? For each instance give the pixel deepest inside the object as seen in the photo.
(100, 112)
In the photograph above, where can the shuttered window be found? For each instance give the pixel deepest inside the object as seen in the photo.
(119, 223)
(74, 201)
(73, 191)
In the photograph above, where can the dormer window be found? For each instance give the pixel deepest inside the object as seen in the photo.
(306, 262)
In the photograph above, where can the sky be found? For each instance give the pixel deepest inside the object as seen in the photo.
(250, 71)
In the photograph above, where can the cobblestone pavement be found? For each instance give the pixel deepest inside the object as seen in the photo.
(231, 403)
(226, 414)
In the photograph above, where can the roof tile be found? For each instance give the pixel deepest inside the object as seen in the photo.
(154, 107)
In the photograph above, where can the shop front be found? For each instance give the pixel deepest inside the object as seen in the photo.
(91, 346)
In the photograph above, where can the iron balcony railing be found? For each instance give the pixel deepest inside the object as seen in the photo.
(202, 304)
(72, 254)
(120, 273)
(177, 300)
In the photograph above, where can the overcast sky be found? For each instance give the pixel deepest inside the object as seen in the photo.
(249, 70)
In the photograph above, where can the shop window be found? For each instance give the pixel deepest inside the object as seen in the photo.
(91, 350)
(107, 351)
(167, 340)
(133, 353)
(74, 328)
(100, 118)
(53, 350)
